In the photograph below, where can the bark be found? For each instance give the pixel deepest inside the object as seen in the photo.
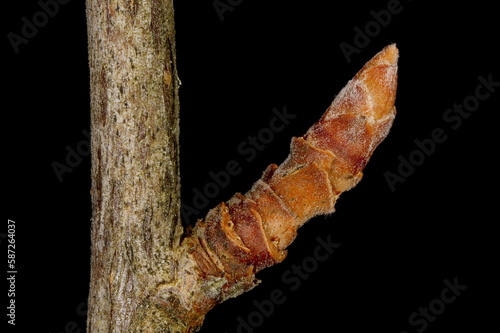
(146, 275)
(135, 163)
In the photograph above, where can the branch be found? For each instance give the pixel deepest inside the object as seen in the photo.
(144, 277)
(135, 160)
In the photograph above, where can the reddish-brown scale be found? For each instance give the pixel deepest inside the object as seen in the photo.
(252, 230)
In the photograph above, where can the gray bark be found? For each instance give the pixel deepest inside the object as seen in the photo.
(135, 163)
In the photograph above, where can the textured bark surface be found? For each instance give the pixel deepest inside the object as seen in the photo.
(146, 276)
(135, 170)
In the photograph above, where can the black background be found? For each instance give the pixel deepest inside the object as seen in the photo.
(397, 247)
